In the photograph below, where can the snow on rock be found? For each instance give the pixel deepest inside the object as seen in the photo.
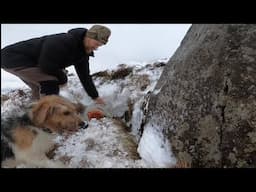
(154, 148)
(137, 118)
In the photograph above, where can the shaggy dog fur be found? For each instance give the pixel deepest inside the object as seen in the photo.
(30, 137)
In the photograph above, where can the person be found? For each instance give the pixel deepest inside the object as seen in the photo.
(41, 62)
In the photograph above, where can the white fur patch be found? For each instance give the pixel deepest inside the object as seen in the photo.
(35, 156)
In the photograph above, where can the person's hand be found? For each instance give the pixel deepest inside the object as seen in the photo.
(99, 100)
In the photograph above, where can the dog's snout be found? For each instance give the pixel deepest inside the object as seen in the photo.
(83, 124)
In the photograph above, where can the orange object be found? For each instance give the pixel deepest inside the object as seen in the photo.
(95, 114)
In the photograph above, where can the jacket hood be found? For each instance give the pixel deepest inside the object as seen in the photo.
(78, 34)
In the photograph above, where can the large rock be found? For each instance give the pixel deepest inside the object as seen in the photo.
(205, 100)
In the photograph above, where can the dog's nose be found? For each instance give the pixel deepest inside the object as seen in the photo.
(83, 124)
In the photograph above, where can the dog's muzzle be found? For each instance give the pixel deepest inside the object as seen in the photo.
(83, 125)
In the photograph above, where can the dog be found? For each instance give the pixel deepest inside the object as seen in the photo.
(28, 138)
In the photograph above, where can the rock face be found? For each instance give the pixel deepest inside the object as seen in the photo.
(205, 99)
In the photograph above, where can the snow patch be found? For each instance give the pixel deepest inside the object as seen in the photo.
(155, 149)
(156, 91)
(137, 117)
(101, 145)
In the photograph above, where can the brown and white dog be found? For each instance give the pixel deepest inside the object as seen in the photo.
(30, 137)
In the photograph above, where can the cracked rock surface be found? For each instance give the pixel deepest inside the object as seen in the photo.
(206, 105)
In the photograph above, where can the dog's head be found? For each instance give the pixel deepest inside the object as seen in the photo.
(57, 114)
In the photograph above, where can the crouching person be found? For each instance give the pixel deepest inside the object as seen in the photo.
(41, 62)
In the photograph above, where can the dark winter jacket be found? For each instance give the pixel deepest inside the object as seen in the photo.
(53, 53)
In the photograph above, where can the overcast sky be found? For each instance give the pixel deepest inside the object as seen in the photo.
(128, 42)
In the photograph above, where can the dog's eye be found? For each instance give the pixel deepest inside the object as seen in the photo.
(66, 113)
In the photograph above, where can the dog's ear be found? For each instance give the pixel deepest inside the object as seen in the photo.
(41, 112)
(80, 108)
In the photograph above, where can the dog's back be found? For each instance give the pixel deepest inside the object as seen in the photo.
(8, 126)
(23, 143)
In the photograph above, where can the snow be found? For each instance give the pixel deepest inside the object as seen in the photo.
(137, 118)
(154, 148)
(10, 82)
(16, 104)
(101, 145)
(105, 143)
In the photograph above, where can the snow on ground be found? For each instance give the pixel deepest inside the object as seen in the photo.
(18, 100)
(101, 145)
(107, 143)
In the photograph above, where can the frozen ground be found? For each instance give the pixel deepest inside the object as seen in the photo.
(106, 143)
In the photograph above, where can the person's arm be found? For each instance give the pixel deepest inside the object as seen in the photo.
(83, 72)
(53, 54)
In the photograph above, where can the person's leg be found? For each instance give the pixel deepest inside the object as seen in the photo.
(49, 87)
(41, 84)
(45, 88)
(22, 66)
(35, 89)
